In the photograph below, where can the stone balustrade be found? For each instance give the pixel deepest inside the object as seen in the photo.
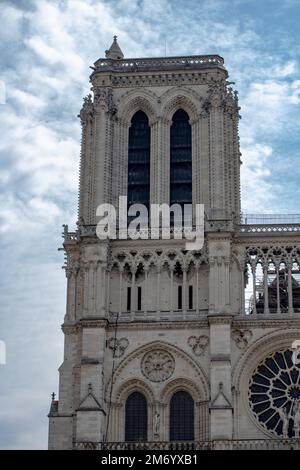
(236, 444)
(164, 63)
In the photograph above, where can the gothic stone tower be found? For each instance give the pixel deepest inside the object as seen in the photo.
(160, 343)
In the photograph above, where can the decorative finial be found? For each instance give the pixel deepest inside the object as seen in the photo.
(53, 396)
(115, 38)
(90, 388)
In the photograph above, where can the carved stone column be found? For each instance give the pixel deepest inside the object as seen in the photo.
(85, 288)
(145, 301)
(157, 162)
(195, 129)
(290, 287)
(71, 295)
(103, 145)
(266, 289)
(216, 138)
(184, 289)
(158, 287)
(120, 161)
(133, 287)
(90, 422)
(277, 269)
(86, 162)
(121, 270)
(253, 269)
(197, 288)
(219, 276)
(171, 267)
(221, 412)
(99, 290)
(203, 182)
(163, 192)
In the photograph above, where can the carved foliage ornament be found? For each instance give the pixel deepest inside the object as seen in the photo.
(198, 344)
(118, 346)
(241, 338)
(158, 365)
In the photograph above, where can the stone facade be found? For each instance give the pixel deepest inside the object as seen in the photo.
(210, 350)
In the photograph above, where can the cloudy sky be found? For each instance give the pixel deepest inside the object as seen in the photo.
(46, 50)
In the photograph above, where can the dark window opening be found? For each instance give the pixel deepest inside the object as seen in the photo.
(179, 297)
(139, 298)
(128, 298)
(136, 417)
(139, 161)
(180, 159)
(182, 417)
(190, 297)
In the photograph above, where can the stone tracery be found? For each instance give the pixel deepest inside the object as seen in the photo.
(274, 393)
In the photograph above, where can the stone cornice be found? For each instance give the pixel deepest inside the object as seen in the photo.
(217, 319)
(61, 415)
(150, 64)
(69, 329)
(110, 326)
(284, 323)
(287, 322)
(90, 322)
(139, 79)
(220, 358)
(161, 325)
(273, 238)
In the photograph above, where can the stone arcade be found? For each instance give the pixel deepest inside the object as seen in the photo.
(166, 347)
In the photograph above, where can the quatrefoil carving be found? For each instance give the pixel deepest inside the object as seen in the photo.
(198, 344)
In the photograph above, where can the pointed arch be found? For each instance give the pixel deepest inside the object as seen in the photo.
(137, 100)
(175, 99)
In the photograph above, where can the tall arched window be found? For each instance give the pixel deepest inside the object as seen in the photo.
(181, 159)
(181, 417)
(139, 160)
(136, 417)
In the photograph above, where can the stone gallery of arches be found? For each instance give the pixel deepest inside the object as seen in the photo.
(167, 347)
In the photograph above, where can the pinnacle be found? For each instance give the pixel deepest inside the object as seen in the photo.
(114, 52)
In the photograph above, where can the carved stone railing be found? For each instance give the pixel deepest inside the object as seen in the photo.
(242, 444)
(269, 223)
(269, 228)
(211, 225)
(164, 63)
(283, 315)
(69, 237)
(142, 316)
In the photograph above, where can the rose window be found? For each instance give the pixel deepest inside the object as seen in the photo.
(158, 365)
(274, 394)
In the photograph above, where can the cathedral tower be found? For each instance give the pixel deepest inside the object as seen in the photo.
(165, 344)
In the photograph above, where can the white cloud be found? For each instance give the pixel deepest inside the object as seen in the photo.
(26, 100)
(47, 53)
(255, 178)
(295, 97)
(290, 68)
